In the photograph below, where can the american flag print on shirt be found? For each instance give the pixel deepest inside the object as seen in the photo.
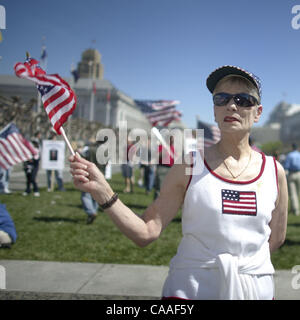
(239, 202)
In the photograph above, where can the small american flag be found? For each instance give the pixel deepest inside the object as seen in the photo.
(239, 202)
(14, 148)
(58, 98)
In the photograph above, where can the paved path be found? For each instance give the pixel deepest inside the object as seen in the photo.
(62, 280)
(18, 180)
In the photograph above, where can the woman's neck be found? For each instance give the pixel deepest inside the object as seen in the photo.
(234, 146)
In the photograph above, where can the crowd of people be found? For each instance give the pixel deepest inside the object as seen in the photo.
(151, 172)
(151, 175)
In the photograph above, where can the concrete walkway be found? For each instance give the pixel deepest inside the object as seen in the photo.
(18, 180)
(99, 281)
(96, 281)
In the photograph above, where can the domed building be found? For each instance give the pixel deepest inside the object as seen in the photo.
(90, 65)
(98, 99)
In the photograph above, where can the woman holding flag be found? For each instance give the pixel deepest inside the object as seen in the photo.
(234, 203)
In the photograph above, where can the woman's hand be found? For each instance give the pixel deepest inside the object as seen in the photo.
(88, 178)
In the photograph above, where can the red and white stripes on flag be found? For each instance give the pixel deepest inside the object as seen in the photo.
(59, 102)
(211, 133)
(160, 112)
(163, 117)
(162, 104)
(58, 98)
(216, 135)
(239, 202)
(14, 148)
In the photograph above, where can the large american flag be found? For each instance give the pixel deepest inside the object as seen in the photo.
(162, 104)
(160, 112)
(239, 202)
(211, 133)
(14, 148)
(58, 98)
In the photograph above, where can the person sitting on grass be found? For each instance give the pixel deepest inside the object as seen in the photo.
(8, 234)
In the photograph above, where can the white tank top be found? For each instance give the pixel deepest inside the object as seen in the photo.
(225, 224)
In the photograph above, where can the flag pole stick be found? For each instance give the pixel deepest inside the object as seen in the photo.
(162, 141)
(67, 141)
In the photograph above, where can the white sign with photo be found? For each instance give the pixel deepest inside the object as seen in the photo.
(53, 155)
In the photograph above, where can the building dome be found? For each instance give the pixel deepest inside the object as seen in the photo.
(90, 65)
(91, 55)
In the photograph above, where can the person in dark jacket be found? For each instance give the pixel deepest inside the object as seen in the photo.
(31, 168)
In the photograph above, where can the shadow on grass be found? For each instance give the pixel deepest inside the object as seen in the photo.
(119, 189)
(288, 242)
(177, 220)
(70, 189)
(293, 224)
(57, 219)
(78, 206)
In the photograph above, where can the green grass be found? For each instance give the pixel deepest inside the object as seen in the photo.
(53, 228)
(289, 254)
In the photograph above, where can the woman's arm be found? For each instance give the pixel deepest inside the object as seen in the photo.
(278, 223)
(140, 229)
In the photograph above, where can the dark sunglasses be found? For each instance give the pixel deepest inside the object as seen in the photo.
(240, 99)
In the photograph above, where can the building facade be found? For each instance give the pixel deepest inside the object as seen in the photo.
(282, 125)
(97, 100)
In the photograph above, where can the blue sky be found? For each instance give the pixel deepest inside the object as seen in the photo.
(162, 49)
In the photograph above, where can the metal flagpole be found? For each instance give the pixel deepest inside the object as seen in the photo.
(39, 99)
(44, 66)
(91, 64)
(72, 85)
(161, 139)
(39, 102)
(107, 120)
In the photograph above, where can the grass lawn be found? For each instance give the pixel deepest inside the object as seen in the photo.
(53, 228)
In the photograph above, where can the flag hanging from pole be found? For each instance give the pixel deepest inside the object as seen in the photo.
(211, 133)
(58, 98)
(94, 88)
(43, 54)
(163, 117)
(75, 75)
(108, 96)
(159, 112)
(156, 104)
(14, 148)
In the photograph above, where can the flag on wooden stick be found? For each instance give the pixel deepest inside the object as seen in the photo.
(57, 96)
